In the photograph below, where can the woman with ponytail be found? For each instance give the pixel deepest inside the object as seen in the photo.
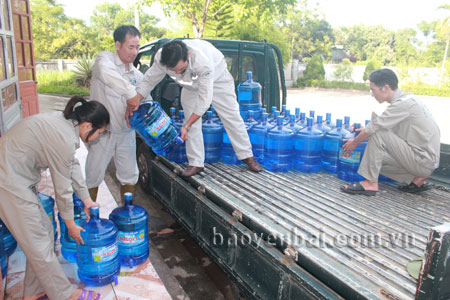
(34, 144)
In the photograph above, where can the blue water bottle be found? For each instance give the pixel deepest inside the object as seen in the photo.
(283, 111)
(321, 125)
(302, 122)
(312, 114)
(68, 244)
(98, 259)
(274, 120)
(212, 138)
(331, 146)
(272, 114)
(155, 127)
(293, 126)
(328, 122)
(9, 242)
(131, 221)
(347, 167)
(287, 117)
(278, 149)
(3, 256)
(178, 154)
(257, 135)
(249, 97)
(347, 125)
(49, 206)
(308, 148)
(297, 114)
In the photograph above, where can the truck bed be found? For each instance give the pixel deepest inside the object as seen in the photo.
(357, 245)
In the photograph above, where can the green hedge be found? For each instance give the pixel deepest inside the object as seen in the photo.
(62, 83)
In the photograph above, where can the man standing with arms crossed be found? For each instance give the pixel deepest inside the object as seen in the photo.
(202, 71)
(114, 80)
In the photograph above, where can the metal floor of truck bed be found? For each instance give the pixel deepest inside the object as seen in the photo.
(357, 245)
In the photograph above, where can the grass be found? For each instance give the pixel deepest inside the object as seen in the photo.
(62, 83)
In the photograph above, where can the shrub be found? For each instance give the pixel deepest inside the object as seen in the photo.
(61, 83)
(83, 70)
(344, 71)
(314, 70)
(371, 66)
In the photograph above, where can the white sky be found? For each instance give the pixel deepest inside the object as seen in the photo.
(392, 14)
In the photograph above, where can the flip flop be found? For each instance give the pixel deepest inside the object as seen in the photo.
(357, 189)
(89, 296)
(44, 297)
(413, 188)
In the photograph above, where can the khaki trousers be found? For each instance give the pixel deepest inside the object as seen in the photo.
(31, 227)
(387, 154)
(227, 108)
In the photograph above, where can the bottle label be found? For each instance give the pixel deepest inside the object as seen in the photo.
(353, 158)
(159, 126)
(104, 254)
(244, 95)
(131, 238)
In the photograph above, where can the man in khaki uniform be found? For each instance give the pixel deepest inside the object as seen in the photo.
(404, 141)
(114, 80)
(34, 144)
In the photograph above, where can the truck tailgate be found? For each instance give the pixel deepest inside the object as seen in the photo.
(359, 246)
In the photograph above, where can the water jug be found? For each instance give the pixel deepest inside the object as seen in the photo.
(274, 120)
(328, 122)
(302, 122)
(257, 135)
(155, 127)
(283, 111)
(250, 121)
(331, 143)
(272, 114)
(293, 126)
(68, 244)
(131, 221)
(49, 206)
(3, 256)
(98, 259)
(212, 138)
(347, 125)
(228, 156)
(9, 242)
(287, 117)
(178, 154)
(347, 167)
(297, 114)
(308, 148)
(312, 115)
(321, 125)
(278, 149)
(249, 97)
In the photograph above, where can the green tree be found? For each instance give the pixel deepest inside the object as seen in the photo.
(371, 66)
(55, 35)
(314, 71)
(344, 70)
(443, 31)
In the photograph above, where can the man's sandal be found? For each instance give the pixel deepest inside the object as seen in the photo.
(357, 189)
(413, 188)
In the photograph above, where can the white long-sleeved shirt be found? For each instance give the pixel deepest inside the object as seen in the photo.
(112, 85)
(411, 120)
(206, 67)
(36, 143)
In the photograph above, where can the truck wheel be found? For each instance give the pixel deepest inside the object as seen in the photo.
(144, 156)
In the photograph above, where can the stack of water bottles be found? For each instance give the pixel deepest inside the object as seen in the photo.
(121, 241)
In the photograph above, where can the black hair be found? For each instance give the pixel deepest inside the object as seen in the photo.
(121, 32)
(384, 76)
(173, 52)
(89, 111)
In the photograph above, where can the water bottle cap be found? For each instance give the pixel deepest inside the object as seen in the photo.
(328, 117)
(311, 113)
(309, 122)
(128, 196)
(339, 123)
(179, 140)
(297, 110)
(94, 211)
(274, 108)
(302, 116)
(346, 120)
(319, 119)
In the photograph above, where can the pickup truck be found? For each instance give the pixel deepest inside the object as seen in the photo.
(293, 235)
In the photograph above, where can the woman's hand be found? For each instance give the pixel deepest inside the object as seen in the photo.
(88, 203)
(74, 231)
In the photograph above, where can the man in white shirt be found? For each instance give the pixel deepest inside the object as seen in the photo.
(404, 141)
(114, 80)
(202, 71)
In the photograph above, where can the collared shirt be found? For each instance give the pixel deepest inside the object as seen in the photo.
(36, 143)
(112, 85)
(206, 67)
(411, 120)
